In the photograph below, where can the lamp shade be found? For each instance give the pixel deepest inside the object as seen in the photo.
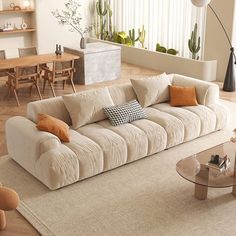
(200, 3)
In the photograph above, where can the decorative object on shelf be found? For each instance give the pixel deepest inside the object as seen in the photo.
(71, 16)
(58, 51)
(26, 4)
(194, 43)
(23, 25)
(15, 7)
(233, 139)
(9, 200)
(162, 49)
(8, 27)
(229, 82)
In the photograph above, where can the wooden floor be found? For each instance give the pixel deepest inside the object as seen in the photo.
(17, 225)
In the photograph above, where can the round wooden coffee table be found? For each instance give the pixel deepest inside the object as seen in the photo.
(195, 170)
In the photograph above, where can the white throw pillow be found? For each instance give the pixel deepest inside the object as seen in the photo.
(87, 107)
(152, 90)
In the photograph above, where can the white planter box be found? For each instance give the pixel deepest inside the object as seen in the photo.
(203, 70)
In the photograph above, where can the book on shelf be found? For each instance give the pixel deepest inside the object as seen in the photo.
(221, 164)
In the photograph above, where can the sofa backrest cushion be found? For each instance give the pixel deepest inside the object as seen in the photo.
(152, 90)
(53, 106)
(121, 94)
(207, 93)
(87, 107)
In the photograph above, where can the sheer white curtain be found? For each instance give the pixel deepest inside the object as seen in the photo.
(168, 22)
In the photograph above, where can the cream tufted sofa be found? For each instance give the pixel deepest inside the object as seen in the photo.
(98, 147)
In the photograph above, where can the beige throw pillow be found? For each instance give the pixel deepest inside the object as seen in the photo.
(152, 90)
(87, 107)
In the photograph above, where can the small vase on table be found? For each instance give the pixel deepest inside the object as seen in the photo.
(82, 43)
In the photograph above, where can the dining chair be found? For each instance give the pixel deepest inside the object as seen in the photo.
(30, 51)
(25, 52)
(61, 71)
(2, 57)
(23, 77)
(2, 54)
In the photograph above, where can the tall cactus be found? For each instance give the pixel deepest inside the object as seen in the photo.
(194, 44)
(133, 37)
(142, 36)
(96, 29)
(110, 33)
(101, 7)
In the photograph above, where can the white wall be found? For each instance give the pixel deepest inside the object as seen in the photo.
(216, 44)
(49, 32)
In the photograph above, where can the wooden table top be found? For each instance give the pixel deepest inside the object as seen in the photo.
(36, 59)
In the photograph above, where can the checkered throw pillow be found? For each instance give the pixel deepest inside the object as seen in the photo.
(125, 113)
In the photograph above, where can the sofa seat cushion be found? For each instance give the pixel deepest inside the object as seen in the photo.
(191, 122)
(113, 146)
(207, 117)
(157, 136)
(88, 153)
(172, 125)
(222, 115)
(135, 139)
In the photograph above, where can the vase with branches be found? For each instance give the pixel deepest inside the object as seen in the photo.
(72, 17)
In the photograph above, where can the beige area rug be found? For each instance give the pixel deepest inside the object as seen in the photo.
(146, 197)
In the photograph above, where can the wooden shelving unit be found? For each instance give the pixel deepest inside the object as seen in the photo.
(16, 12)
(19, 37)
(17, 31)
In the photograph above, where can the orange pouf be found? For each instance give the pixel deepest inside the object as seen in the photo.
(3, 222)
(9, 200)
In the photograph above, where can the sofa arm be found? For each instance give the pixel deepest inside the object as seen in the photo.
(25, 143)
(207, 93)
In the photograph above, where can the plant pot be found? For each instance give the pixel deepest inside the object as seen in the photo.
(82, 43)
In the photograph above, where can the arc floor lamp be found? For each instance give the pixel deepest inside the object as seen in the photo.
(229, 82)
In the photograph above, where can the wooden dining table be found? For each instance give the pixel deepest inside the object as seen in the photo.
(35, 59)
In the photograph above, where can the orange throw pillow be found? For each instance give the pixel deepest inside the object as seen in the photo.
(182, 96)
(55, 126)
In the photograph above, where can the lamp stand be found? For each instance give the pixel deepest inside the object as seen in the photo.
(229, 82)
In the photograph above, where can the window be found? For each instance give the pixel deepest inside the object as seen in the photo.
(168, 22)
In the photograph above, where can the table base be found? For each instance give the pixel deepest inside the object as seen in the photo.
(201, 191)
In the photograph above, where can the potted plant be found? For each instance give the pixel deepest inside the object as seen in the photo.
(71, 16)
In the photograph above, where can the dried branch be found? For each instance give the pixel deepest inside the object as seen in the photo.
(71, 16)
